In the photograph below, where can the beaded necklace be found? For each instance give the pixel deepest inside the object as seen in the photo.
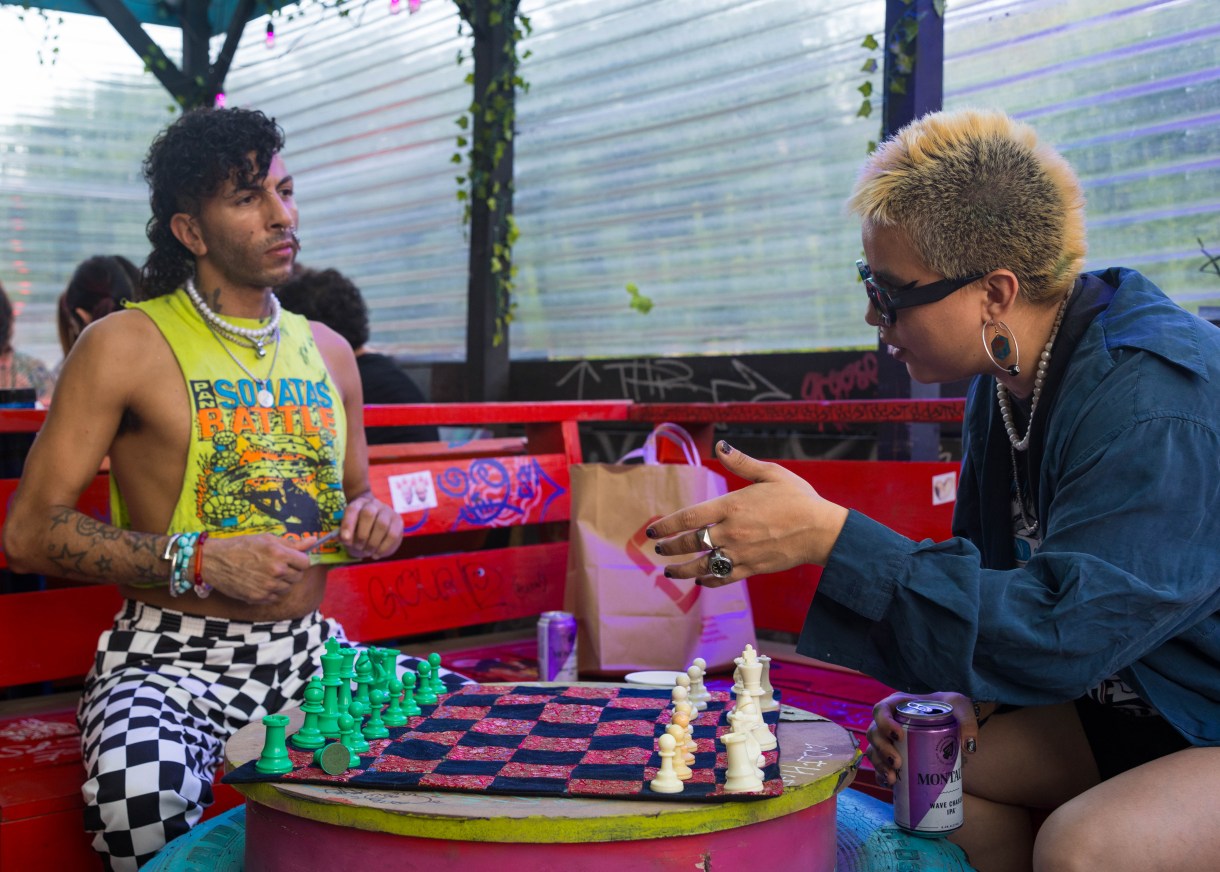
(1001, 392)
(251, 337)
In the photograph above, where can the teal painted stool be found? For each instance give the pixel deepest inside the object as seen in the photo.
(216, 845)
(868, 841)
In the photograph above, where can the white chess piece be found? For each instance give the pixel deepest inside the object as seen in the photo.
(743, 724)
(688, 746)
(667, 780)
(740, 776)
(698, 690)
(768, 696)
(681, 764)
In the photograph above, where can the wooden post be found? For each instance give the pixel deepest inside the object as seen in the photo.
(918, 93)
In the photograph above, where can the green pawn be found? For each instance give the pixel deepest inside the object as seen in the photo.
(438, 683)
(394, 715)
(309, 737)
(275, 760)
(359, 744)
(347, 736)
(424, 694)
(410, 707)
(375, 728)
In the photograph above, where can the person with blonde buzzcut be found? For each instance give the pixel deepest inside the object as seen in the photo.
(1075, 610)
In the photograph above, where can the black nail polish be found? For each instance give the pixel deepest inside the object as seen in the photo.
(650, 533)
(724, 447)
(668, 574)
(657, 548)
(893, 737)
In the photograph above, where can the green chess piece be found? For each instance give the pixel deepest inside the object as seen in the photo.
(375, 727)
(364, 680)
(438, 683)
(309, 737)
(423, 693)
(410, 707)
(356, 742)
(334, 759)
(347, 674)
(394, 715)
(348, 735)
(275, 760)
(332, 662)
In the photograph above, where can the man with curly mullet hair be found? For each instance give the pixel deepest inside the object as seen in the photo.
(235, 434)
(1076, 610)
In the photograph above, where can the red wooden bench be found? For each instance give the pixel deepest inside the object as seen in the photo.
(445, 577)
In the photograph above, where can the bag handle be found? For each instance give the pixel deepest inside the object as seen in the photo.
(672, 433)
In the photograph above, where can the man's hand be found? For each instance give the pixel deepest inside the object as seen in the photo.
(258, 569)
(370, 528)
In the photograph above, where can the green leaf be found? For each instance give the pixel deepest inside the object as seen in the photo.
(898, 85)
(939, 7)
(866, 109)
(463, 122)
(870, 66)
(866, 89)
(870, 42)
(462, 142)
(456, 159)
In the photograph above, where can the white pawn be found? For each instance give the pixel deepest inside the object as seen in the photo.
(681, 679)
(681, 700)
(698, 690)
(743, 724)
(667, 780)
(740, 776)
(688, 746)
(768, 698)
(681, 764)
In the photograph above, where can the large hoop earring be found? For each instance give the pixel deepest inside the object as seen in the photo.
(999, 347)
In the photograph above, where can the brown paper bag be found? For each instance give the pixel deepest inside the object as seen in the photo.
(630, 616)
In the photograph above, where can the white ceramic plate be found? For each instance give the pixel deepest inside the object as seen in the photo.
(654, 678)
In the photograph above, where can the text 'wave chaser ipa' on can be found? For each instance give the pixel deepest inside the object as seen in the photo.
(928, 794)
(557, 646)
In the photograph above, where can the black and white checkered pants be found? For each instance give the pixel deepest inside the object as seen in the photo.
(166, 692)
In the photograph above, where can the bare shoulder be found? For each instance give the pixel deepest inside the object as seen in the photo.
(340, 360)
(113, 349)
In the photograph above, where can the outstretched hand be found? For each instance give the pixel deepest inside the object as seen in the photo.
(776, 523)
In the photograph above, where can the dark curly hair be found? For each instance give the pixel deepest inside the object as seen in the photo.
(100, 285)
(330, 297)
(187, 163)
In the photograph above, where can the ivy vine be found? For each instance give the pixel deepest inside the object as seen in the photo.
(900, 43)
(485, 132)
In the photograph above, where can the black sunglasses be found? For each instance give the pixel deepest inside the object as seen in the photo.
(887, 302)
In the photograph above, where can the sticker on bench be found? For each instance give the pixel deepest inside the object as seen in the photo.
(412, 492)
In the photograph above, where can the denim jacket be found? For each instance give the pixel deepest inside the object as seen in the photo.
(1127, 579)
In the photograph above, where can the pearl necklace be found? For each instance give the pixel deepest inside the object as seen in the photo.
(254, 337)
(1001, 391)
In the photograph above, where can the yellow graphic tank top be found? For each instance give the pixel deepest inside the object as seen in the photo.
(249, 468)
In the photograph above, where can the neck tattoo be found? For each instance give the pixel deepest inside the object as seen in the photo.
(250, 337)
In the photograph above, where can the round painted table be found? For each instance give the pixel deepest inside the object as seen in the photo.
(290, 827)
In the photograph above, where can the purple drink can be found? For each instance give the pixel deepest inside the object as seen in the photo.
(557, 646)
(928, 793)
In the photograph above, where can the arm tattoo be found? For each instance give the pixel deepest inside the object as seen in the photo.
(87, 549)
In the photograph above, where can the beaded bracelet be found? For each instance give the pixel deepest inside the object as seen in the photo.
(202, 588)
(180, 581)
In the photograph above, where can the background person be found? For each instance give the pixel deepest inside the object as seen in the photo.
(20, 371)
(100, 285)
(329, 297)
(1080, 588)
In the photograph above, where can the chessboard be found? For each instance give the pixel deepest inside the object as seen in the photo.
(537, 740)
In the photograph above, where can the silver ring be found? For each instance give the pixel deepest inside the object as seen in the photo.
(719, 565)
(705, 539)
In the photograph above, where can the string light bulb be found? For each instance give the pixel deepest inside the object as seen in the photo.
(220, 100)
(395, 7)
(270, 34)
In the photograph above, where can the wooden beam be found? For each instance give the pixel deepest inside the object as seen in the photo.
(128, 26)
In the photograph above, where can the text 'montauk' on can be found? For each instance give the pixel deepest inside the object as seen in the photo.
(557, 646)
(928, 793)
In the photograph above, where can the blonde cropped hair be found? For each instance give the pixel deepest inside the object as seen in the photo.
(973, 191)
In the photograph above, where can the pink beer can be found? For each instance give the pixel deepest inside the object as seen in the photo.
(928, 793)
(557, 646)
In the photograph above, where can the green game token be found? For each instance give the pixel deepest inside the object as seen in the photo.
(333, 759)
